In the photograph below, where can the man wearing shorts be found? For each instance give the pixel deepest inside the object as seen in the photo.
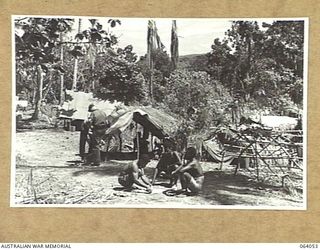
(190, 173)
(99, 124)
(133, 175)
(169, 162)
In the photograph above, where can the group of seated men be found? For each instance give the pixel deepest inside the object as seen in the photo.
(188, 171)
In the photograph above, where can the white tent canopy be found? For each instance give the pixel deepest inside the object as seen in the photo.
(77, 107)
(277, 122)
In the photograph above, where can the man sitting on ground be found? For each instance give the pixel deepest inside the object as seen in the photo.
(169, 162)
(133, 175)
(190, 173)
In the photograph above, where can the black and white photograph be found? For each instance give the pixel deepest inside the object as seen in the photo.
(203, 113)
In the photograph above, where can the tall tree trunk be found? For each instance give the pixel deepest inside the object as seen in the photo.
(151, 86)
(93, 84)
(249, 54)
(92, 73)
(174, 47)
(93, 50)
(93, 53)
(61, 75)
(34, 93)
(75, 71)
(151, 46)
(38, 96)
(248, 74)
(47, 88)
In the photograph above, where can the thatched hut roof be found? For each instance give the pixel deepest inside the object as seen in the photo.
(158, 122)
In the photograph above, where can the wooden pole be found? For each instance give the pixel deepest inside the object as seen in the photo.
(138, 145)
(242, 151)
(120, 141)
(151, 142)
(222, 159)
(256, 160)
(288, 154)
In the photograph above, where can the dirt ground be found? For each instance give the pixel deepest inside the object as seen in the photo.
(48, 172)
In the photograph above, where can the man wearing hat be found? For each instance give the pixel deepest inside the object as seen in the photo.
(97, 121)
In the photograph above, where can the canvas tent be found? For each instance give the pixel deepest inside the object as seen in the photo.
(157, 122)
(265, 124)
(137, 125)
(282, 122)
(217, 151)
(277, 122)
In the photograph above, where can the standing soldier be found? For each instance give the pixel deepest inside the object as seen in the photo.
(97, 121)
(83, 140)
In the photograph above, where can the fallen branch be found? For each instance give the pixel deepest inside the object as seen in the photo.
(82, 198)
(32, 187)
(85, 196)
(38, 184)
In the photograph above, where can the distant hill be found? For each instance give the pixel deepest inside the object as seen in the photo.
(196, 62)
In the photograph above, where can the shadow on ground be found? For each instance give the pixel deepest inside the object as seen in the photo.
(110, 168)
(229, 189)
(106, 168)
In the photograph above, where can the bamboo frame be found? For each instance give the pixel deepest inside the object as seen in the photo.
(257, 149)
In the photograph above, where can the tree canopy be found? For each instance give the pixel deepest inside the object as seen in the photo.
(260, 63)
(256, 65)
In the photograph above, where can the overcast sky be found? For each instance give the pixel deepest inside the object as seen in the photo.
(195, 35)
